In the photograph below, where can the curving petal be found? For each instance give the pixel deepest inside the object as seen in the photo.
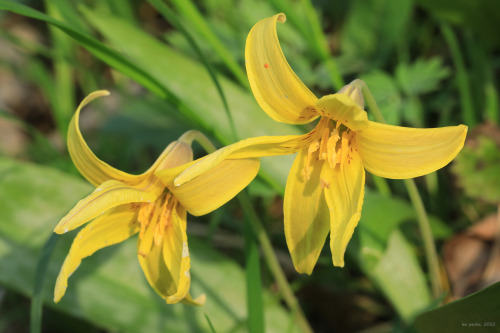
(342, 108)
(110, 228)
(249, 148)
(400, 152)
(279, 92)
(109, 195)
(216, 186)
(91, 167)
(306, 215)
(344, 192)
(166, 267)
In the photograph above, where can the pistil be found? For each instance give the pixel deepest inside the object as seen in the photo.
(154, 218)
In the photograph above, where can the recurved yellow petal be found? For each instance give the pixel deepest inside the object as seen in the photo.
(249, 148)
(342, 108)
(306, 214)
(344, 192)
(400, 152)
(200, 300)
(108, 229)
(109, 195)
(279, 92)
(215, 187)
(92, 168)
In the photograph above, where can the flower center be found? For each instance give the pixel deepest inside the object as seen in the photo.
(154, 219)
(334, 143)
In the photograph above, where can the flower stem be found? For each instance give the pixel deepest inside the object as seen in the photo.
(193, 135)
(416, 200)
(273, 264)
(428, 238)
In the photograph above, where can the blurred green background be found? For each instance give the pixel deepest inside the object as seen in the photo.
(428, 64)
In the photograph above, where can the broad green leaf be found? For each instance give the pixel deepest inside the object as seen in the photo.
(109, 288)
(477, 312)
(400, 276)
(422, 76)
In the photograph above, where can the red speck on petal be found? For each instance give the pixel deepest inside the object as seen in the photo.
(266, 65)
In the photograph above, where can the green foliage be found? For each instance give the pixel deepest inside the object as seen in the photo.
(422, 76)
(398, 96)
(477, 169)
(373, 28)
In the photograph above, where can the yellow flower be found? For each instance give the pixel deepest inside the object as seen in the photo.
(123, 205)
(325, 187)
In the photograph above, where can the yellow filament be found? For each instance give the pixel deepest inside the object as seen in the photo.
(344, 147)
(331, 148)
(313, 147)
(325, 133)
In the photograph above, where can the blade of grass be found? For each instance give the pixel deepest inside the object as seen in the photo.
(189, 12)
(462, 78)
(63, 100)
(41, 270)
(212, 329)
(253, 280)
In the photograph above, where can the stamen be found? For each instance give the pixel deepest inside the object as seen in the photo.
(331, 148)
(313, 147)
(325, 133)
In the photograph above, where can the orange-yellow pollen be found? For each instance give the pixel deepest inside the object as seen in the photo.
(334, 146)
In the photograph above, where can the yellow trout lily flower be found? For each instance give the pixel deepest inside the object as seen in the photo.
(148, 204)
(325, 187)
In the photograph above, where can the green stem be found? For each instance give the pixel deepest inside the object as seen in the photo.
(462, 77)
(273, 264)
(193, 135)
(416, 200)
(428, 238)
